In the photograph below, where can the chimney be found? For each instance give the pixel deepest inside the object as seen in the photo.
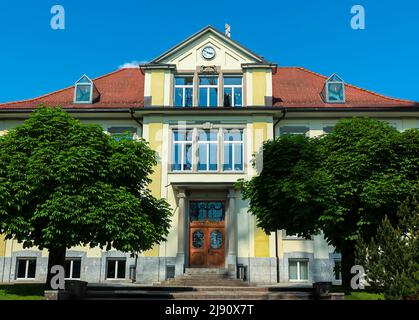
(227, 30)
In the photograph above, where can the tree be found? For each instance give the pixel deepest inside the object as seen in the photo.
(391, 258)
(342, 183)
(64, 183)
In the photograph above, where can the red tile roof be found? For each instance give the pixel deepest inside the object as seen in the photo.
(296, 87)
(293, 87)
(119, 89)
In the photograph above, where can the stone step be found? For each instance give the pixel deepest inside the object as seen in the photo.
(191, 271)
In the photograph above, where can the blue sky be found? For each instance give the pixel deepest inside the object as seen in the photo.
(100, 36)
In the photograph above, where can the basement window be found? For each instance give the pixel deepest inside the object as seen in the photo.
(26, 268)
(83, 90)
(115, 269)
(334, 90)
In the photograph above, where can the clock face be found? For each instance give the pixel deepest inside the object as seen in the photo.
(208, 53)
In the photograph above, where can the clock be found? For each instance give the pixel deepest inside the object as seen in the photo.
(208, 53)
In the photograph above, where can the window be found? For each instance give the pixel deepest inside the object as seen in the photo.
(83, 90)
(115, 269)
(183, 91)
(294, 130)
(334, 90)
(26, 268)
(328, 129)
(72, 268)
(233, 152)
(208, 91)
(337, 270)
(119, 133)
(233, 88)
(182, 150)
(298, 270)
(208, 150)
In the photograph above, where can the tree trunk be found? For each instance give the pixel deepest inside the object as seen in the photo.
(56, 257)
(348, 260)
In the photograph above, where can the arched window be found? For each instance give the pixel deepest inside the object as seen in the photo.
(334, 90)
(83, 90)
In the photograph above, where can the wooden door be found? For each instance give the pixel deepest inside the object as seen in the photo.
(207, 234)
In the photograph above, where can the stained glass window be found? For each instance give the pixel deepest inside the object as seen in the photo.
(216, 239)
(206, 210)
(198, 239)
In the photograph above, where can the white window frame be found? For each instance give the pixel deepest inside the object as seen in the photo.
(208, 87)
(233, 87)
(26, 268)
(83, 84)
(183, 144)
(116, 261)
(233, 143)
(299, 261)
(183, 87)
(334, 269)
(208, 143)
(71, 267)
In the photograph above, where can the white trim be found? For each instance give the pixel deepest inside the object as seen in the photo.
(26, 277)
(208, 87)
(233, 87)
(298, 261)
(183, 87)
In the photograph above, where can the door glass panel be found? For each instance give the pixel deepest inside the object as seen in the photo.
(197, 211)
(206, 210)
(215, 211)
(216, 239)
(198, 239)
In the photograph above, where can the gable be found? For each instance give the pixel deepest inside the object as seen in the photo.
(187, 55)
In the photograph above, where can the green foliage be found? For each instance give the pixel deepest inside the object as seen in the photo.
(341, 183)
(64, 183)
(391, 258)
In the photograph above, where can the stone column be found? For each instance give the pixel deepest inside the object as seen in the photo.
(180, 256)
(232, 234)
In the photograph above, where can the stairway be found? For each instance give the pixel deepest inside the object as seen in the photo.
(206, 277)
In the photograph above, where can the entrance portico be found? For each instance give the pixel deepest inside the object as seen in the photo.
(207, 227)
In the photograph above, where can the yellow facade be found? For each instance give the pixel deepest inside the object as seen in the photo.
(258, 87)
(2, 246)
(157, 87)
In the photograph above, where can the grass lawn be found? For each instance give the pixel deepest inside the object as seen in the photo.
(22, 291)
(359, 295)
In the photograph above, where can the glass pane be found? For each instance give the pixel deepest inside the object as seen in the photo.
(216, 239)
(202, 98)
(121, 269)
(228, 102)
(292, 266)
(21, 268)
(337, 270)
(76, 268)
(233, 81)
(183, 81)
(110, 273)
(213, 97)
(335, 92)
(228, 157)
(188, 154)
(215, 211)
(188, 97)
(207, 135)
(83, 93)
(213, 81)
(213, 157)
(197, 211)
(177, 155)
(67, 268)
(303, 270)
(237, 97)
(198, 239)
(178, 97)
(238, 157)
(32, 268)
(233, 135)
(182, 135)
(202, 156)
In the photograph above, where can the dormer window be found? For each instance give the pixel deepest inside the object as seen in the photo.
(334, 90)
(83, 91)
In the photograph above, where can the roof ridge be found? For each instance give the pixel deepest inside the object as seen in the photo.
(60, 90)
(350, 85)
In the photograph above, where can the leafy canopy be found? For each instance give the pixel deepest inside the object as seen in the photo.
(341, 183)
(64, 183)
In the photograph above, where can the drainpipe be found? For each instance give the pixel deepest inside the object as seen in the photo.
(131, 112)
(284, 112)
